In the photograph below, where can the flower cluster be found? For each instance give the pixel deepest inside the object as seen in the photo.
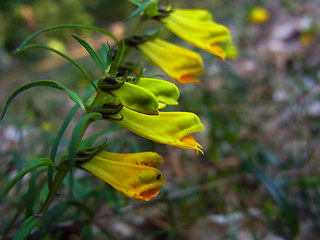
(128, 97)
(196, 27)
(136, 103)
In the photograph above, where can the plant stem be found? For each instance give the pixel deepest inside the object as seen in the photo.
(62, 171)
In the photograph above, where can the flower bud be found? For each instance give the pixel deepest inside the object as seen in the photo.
(109, 83)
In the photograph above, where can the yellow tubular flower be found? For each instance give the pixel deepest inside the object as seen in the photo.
(132, 174)
(195, 26)
(178, 62)
(172, 128)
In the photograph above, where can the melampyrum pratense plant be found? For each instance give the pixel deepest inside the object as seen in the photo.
(125, 96)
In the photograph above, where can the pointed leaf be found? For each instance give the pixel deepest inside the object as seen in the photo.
(117, 60)
(64, 126)
(61, 26)
(152, 10)
(62, 55)
(26, 228)
(92, 52)
(35, 163)
(140, 9)
(47, 83)
(104, 54)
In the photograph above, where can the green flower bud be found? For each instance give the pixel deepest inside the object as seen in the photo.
(166, 92)
(137, 98)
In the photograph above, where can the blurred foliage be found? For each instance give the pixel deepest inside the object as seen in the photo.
(260, 175)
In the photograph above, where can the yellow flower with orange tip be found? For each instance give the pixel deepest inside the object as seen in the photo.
(258, 15)
(133, 174)
(178, 62)
(196, 27)
(172, 128)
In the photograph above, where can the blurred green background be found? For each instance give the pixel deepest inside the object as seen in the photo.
(259, 176)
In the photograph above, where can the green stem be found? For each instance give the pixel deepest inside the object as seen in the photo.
(62, 171)
(61, 132)
(139, 25)
(134, 32)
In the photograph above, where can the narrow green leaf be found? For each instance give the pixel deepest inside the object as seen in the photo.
(152, 10)
(140, 9)
(35, 163)
(117, 60)
(92, 52)
(104, 54)
(26, 228)
(64, 126)
(90, 140)
(61, 26)
(110, 56)
(278, 195)
(64, 56)
(51, 216)
(47, 83)
(31, 194)
(266, 158)
(77, 134)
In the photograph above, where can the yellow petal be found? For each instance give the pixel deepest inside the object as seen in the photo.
(172, 128)
(178, 62)
(137, 181)
(198, 31)
(196, 14)
(150, 159)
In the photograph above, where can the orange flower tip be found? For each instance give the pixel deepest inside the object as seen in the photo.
(192, 144)
(188, 79)
(199, 150)
(217, 50)
(147, 195)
